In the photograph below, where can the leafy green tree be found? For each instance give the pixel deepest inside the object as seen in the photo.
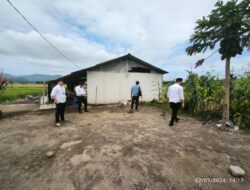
(227, 26)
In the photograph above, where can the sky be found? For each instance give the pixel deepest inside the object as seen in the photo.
(92, 31)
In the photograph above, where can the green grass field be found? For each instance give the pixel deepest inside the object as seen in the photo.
(17, 91)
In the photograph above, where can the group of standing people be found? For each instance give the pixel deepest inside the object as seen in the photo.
(58, 94)
(175, 97)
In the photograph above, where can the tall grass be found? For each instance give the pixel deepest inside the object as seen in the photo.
(18, 91)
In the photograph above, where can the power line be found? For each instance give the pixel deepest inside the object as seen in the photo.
(34, 28)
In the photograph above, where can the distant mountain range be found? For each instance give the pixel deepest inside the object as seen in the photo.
(31, 78)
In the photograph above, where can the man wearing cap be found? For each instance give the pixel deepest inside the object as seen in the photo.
(59, 96)
(175, 98)
(81, 96)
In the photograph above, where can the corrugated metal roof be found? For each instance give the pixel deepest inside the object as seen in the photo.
(77, 75)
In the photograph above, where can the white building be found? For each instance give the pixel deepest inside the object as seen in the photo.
(110, 82)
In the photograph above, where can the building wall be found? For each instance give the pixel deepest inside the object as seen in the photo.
(113, 87)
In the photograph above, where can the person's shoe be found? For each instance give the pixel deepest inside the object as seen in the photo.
(80, 112)
(87, 111)
(58, 125)
(171, 124)
(177, 119)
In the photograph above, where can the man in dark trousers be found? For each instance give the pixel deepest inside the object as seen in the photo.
(82, 97)
(59, 96)
(175, 97)
(135, 95)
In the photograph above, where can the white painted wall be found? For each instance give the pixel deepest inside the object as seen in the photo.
(110, 87)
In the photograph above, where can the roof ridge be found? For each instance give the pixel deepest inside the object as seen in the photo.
(129, 56)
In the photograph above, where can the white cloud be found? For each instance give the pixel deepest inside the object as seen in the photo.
(91, 31)
(147, 27)
(178, 65)
(37, 53)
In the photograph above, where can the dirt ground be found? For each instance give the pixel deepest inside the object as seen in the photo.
(109, 148)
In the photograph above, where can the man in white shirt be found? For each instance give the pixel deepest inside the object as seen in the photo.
(82, 97)
(59, 96)
(175, 97)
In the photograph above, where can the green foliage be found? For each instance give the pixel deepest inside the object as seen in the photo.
(228, 24)
(17, 91)
(165, 90)
(204, 94)
(240, 100)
